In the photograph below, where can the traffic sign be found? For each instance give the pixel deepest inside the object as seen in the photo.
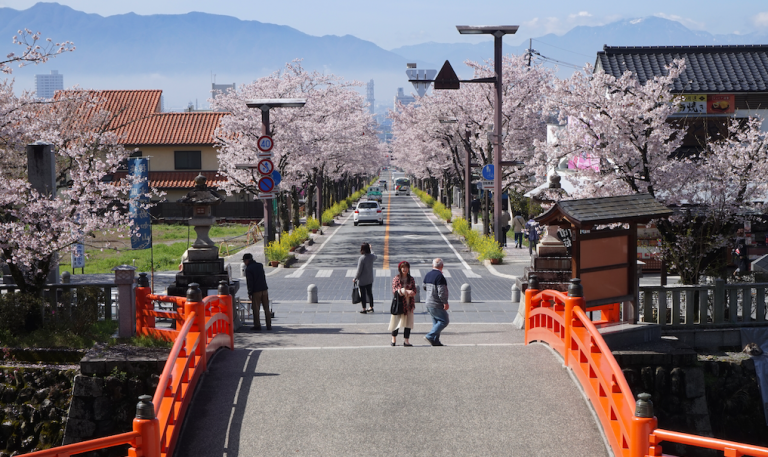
(488, 172)
(265, 143)
(277, 177)
(487, 185)
(266, 196)
(266, 184)
(266, 167)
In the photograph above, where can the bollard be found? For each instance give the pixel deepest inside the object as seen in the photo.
(312, 293)
(515, 293)
(417, 297)
(466, 293)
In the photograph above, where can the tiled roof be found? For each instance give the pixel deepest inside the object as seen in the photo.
(174, 129)
(733, 68)
(177, 179)
(605, 210)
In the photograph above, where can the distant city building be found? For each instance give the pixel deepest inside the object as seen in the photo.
(402, 98)
(47, 85)
(369, 96)
(219, 89)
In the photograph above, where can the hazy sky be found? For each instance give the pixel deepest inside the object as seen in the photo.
(395, 23)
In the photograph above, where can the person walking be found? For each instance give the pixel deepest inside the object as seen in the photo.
(258, 291)
(364, 276)
(518, 225)
(475, 208)
(532, 228)
(505, 218)
(437, 301)
(405, 286)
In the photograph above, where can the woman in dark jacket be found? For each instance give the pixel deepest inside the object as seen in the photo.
(404, 285)
(364, 276)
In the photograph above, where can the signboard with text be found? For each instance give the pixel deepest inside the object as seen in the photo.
(707, 104)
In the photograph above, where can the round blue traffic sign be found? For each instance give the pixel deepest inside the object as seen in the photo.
(277, 177)
(266, 184)
(265, 143)
(488, 172)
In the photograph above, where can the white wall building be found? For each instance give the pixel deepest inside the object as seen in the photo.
(47, 85)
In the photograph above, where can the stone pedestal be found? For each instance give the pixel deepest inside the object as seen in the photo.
(126, 300)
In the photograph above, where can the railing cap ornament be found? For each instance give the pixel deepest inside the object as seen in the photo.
(644, 405)
(223, 287)
(144, 408)
(533, 282)
(194, 294)
(575, 289)
(143, 280)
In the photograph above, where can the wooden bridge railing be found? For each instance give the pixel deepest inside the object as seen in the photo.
(629, 426)
(206, 326)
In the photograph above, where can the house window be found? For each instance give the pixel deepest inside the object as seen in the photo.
(187, 160)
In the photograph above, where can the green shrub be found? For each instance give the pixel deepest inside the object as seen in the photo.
(441, 211)
(461, 227)
(312, 223)
(488, 249)
(327, 216)
(20, 313)
(276, 251)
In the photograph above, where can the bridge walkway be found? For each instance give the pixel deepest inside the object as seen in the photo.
(341, 389)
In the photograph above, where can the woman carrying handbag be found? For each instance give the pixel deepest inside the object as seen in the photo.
(404, 288)
(364, 276)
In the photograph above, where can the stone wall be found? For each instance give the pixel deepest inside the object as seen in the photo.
(33, 407)
(713, 396)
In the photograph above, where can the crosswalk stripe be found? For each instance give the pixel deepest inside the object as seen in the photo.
(383, 272)
(416, 273)
(446, 273)
(323, 273)
(296, 274)
(471, 274)
(351, 273)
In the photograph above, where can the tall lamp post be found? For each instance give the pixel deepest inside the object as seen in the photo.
(498, 31)
(265, 104)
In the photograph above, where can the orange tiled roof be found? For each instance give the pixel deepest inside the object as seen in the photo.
(173, 129)
(177, 179)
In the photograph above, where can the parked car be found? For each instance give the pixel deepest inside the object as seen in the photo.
(374, 193)
(368, 211)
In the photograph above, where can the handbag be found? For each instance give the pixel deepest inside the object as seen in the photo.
(356, 294)
(398, 307)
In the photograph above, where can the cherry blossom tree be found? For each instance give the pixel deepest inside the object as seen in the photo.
(626, 128)
(331, 137)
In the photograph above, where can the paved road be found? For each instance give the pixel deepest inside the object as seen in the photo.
(325, 380)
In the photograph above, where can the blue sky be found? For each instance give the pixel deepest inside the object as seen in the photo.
(395, 23)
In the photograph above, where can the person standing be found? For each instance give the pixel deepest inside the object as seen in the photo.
(404, 285)
(518, 225)
(258, 291)
(364, 276)
(475, 207)
(437, 301)
(505, 218)
(532, 228)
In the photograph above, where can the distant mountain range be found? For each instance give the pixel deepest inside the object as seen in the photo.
(180, 54)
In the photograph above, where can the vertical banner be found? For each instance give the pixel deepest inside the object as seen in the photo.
(141, 235)
(78, 256)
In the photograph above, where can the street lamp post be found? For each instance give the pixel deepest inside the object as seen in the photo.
(498, 32)
(265, 105)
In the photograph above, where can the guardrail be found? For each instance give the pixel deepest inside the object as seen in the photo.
(629, 426)
(710, 306)
(207, 325)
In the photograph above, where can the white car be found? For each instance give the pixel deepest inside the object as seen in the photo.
(368, 211)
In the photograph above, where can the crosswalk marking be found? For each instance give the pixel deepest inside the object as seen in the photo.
(471, 274)
(296, 274)
(446, 273)
(383, 272)
(323, 273)
(351, 273)
(416, 273)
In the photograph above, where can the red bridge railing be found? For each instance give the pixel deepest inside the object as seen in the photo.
(206, 325)
(560, 321)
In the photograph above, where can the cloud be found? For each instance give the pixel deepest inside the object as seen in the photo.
(761, 20)
(579, 15)
(687, 22)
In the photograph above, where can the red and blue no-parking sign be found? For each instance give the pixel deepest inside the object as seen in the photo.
(266, 184)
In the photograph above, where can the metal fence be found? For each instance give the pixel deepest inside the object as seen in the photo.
(704, 306)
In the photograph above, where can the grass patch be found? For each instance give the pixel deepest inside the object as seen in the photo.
(46, 337)
(147, 341)
(167, 257)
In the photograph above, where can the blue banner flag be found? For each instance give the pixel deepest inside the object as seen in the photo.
(141, 235)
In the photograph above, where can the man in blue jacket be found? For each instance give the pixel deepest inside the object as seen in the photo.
(258, 291)
(437, 301)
